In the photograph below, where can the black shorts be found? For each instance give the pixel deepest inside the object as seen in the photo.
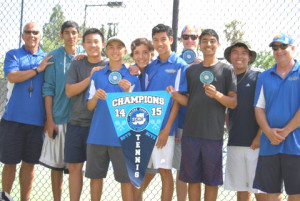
(20, 142)
(273, 171)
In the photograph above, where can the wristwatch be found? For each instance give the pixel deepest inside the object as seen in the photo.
(35, 70)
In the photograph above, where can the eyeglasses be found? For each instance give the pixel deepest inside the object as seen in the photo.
(186, 37)
(31, 32)
(282, 46)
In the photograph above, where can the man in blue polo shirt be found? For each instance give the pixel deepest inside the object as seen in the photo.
(277, 101)
(168, 69)
(22, 124)
(103, 143)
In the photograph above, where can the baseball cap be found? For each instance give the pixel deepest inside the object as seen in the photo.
(227, 51)
(282, 38)
(114, 38)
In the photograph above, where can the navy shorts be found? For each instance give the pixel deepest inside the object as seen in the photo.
(201, 161)
(273, 171)
(20, 142)
(75, 143)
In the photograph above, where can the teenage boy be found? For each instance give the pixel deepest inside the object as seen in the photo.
(58, 105)
(244, 132)
(80, 118)
(203, 131)
(167, 69)
(103, 143)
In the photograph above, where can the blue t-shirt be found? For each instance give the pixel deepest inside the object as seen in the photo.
(159, 75)
(23, 106)
(102, 131)
(282, 101)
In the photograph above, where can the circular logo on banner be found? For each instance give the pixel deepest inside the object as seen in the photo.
(114, 77)
(189, 56)
(206, 77)
(138, 119)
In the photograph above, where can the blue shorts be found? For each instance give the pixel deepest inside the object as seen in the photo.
(20, 142)
(201, 161)
(273, 171)
(75, 143)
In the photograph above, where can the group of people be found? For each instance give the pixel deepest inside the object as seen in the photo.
(56, 114)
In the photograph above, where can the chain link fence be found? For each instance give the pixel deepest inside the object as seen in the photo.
(254, 21)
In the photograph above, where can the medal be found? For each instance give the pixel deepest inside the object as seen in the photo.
(114, 77)
(206, 77)
(189, 56)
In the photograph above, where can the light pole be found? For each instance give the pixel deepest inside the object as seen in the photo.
(110, 4)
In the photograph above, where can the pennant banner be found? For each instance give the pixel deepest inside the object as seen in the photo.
(137, 117)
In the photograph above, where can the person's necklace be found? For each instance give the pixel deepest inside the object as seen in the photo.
(242, 77)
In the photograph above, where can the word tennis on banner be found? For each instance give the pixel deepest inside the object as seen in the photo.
(137, 118)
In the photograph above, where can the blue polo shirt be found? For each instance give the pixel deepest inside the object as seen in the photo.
(159, 75)
(102, 131)
(22, 106)
(282, 101)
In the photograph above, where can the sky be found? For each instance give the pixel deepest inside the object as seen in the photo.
(262, 19)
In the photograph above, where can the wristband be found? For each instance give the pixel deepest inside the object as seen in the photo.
(35, 70)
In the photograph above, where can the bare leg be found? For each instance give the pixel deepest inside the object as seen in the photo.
(167, 184)
(127, 191)
(294, 197)
(274, 197)
(181, 188)
(26, 179)
(194, 191)
(211, 193)
(96, 189)
(243, 196)
(8, 177)
(138, 192)
(260, 196)
(75, 180)
(57, 180)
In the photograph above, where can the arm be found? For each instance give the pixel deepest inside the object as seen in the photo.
(50, 126)
(291, 125)
(164, 133)
(271, 133)
(229, 100)
(20, 76)
(92, 103)
(180, 98)
(256, 141)
(227, 120)
(77, 88)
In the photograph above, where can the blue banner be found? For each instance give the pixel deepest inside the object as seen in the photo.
(137, 117)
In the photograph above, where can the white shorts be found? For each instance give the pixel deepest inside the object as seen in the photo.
(52, 155)
(240, 169)
(177, 153)
(162, 158)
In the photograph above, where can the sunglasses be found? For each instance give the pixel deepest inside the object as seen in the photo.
(186, 37)
(282, 46)
(31, 32)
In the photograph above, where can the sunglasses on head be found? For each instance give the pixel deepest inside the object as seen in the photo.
(281, 46)
(31, 32)
(186, 37)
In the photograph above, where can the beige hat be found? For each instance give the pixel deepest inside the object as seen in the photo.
(227, 51)
(114, 38)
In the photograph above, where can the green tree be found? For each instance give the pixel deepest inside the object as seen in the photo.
(233, 31)
(264, 60)
(51, 30)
